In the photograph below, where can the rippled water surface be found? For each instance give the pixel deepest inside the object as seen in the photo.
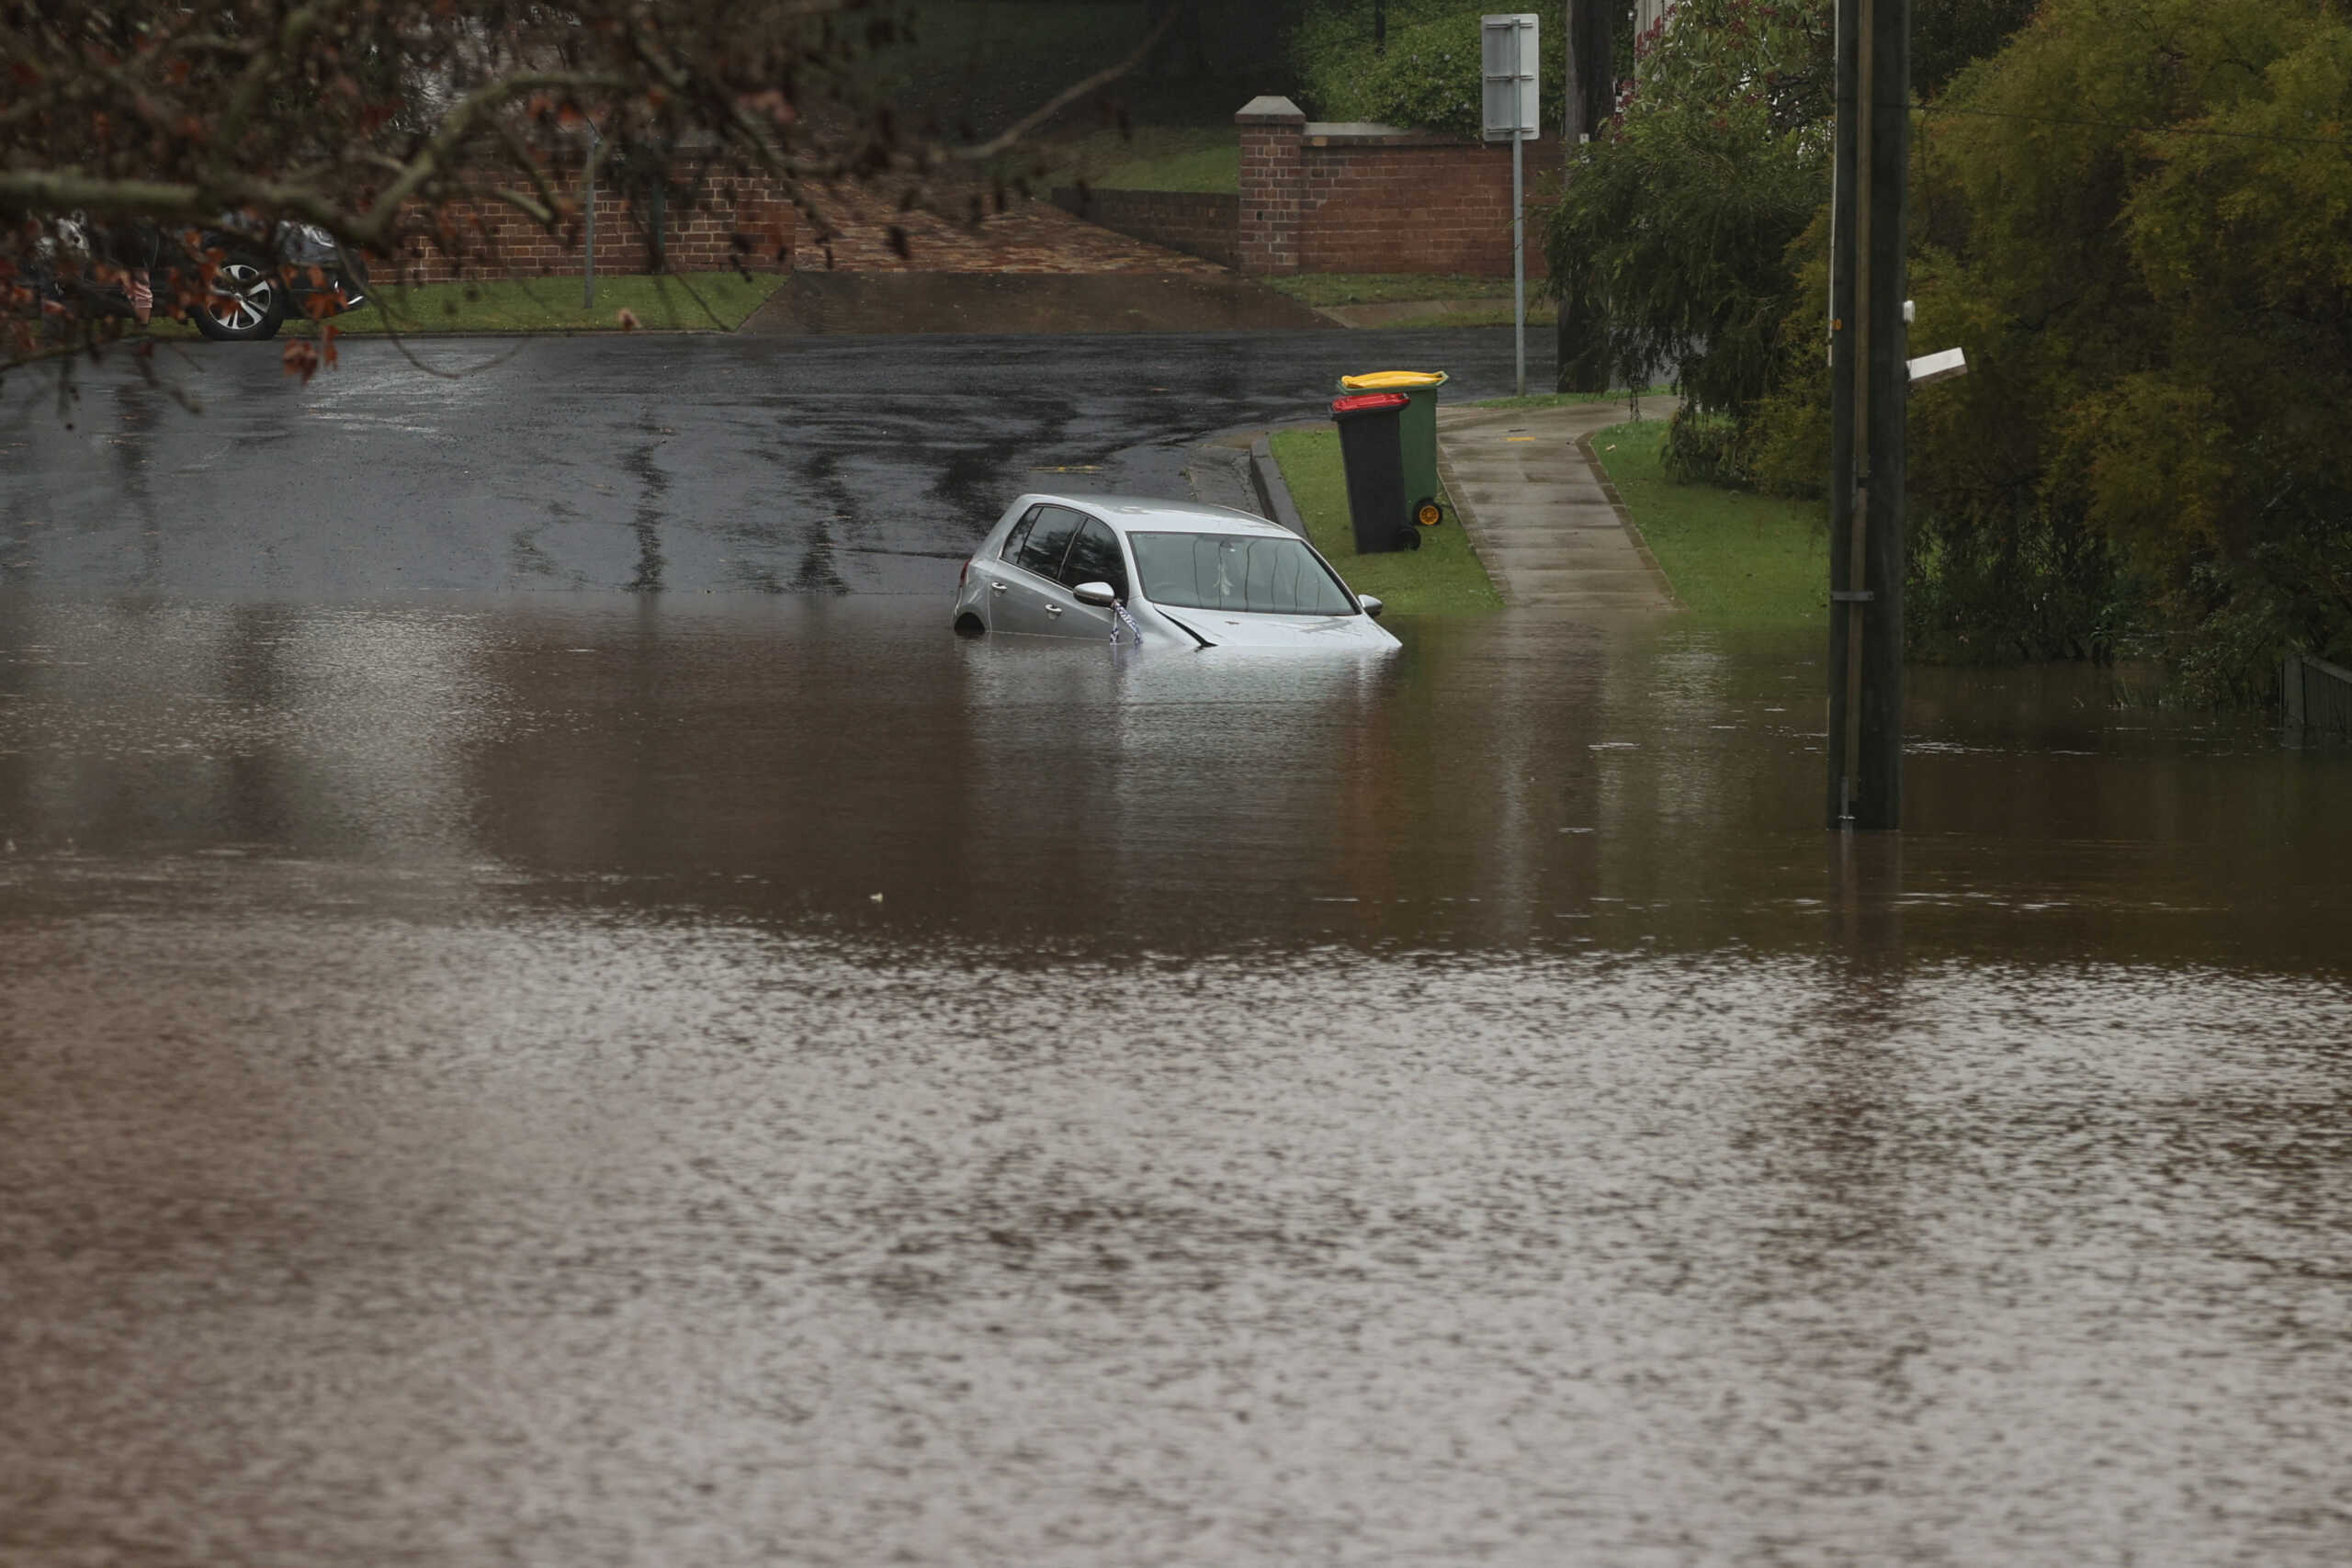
(609, 1084)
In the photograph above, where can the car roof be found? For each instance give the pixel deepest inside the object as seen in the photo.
(1128, 513)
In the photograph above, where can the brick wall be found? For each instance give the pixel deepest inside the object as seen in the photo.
(1271, 185)
(1199, 223)
(492, 239)
(1328, 197)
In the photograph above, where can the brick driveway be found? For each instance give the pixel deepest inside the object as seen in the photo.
(1029, 236)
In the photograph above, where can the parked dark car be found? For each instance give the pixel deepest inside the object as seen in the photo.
(264, 274)
(266, 277)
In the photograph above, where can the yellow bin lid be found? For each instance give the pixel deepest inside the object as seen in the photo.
(1393, 381)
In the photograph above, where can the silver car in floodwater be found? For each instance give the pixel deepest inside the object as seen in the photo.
(1164, 573)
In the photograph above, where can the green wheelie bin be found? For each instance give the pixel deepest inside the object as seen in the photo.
(1422, 490)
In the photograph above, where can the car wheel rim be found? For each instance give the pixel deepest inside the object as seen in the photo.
(241, 296)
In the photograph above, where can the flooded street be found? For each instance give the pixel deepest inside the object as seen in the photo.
(609, 1080)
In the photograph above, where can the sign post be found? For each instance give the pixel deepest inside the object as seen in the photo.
(1509, 53)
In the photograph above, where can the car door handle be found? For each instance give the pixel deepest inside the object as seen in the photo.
(996, 587)
(1053, 609)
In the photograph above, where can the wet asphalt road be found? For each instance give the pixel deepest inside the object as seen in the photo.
(678, 464)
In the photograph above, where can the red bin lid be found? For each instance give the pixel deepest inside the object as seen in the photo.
(1363, 402)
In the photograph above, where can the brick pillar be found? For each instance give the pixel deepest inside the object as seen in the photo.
(1273, 181)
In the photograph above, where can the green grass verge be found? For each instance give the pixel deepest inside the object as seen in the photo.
(1152, 157)
(1442, 577)
(1321, 288)
(706, 301)
(548, 305)
(1736, 557)
(1470, 316)
(1473, 301)
(1566, 400)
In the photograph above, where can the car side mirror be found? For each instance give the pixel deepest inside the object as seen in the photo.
(1372, 607)
(1102, 595)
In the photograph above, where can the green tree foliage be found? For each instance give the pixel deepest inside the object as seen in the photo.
(1677, 222)
(2223, 463)
(1775, 55)
(1946, 36)
(2138, 221)
(1424, 74)
(1424, 71)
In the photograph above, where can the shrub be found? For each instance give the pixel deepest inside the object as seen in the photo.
(1427, 78)
(1679, 225)
(1703, 448)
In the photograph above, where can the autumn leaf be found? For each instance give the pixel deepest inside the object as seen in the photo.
(628, 320)
(301, 358)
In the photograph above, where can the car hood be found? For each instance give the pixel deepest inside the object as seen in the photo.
(1225, 628)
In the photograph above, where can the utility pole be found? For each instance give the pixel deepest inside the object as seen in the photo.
(1590, 94)
(1869, 382)
(1589, 88)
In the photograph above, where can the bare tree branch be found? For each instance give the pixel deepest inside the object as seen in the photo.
(376, 228)
(1070, 94)
(66, 190)
(256, 79)
(146, 145)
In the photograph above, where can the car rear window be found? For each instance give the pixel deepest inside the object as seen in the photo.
(1048, 540)
(1261, 575)
(1020, 535)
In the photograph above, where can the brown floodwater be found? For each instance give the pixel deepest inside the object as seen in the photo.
(587, 1081)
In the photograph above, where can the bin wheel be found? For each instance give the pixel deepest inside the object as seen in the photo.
(1427, 512)
(1409, 539)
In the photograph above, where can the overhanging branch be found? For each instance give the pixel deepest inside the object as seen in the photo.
(377, 227)
(1071, 93)
(45, 191)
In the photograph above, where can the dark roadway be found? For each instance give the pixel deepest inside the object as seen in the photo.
(686, 463)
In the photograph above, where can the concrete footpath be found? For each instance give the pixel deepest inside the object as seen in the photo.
(1549, 527)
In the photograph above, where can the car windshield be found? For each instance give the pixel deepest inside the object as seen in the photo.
(1227, 571)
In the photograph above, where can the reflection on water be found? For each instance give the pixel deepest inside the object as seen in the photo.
(462, 1098)
(1521, 781)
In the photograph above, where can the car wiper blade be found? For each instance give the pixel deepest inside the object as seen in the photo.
(1187, 630)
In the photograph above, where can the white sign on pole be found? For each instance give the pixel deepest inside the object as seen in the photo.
(1930, 368)
(1509, 53)
(1508, 50)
